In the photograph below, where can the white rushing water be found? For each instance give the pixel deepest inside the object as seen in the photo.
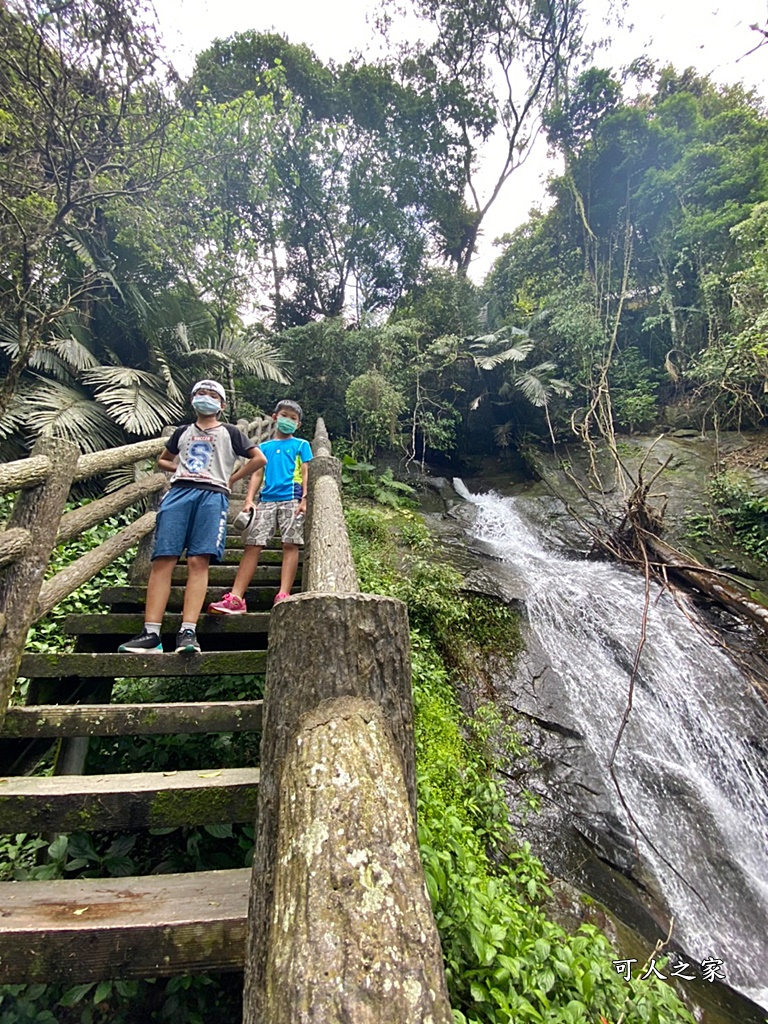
(696, 786)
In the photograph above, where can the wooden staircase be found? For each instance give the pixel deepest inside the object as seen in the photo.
(83, 929)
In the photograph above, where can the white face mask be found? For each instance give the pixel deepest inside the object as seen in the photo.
(206, 405)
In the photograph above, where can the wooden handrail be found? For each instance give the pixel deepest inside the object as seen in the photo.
(330, 568)
(337, 803)
(23, 473)
(68, 580)
(115, 458)
(75, 522)
(30, 472)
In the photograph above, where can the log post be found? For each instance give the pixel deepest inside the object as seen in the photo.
(351, 937)
(321, 647)
(39, 511)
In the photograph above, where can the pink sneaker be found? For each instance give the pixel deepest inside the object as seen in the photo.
(280, 597)
(230, 604)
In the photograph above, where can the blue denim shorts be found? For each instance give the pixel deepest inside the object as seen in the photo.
(194, 519)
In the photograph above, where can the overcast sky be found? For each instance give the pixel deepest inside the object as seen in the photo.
(715, 38)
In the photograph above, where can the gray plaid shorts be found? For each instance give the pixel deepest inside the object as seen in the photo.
(272, 515)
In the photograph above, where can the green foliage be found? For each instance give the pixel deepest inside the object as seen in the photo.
(737, 515)
(506, 961)
(373, 407)
(633, 392)
(361, 480)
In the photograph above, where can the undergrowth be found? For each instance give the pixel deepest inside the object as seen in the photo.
(737, 514)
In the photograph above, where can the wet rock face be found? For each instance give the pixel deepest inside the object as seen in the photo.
(577, 833)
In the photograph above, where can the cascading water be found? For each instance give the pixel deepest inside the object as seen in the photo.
(687, 765)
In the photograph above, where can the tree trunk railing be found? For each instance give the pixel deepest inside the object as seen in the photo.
(38, 523)
(340, 924)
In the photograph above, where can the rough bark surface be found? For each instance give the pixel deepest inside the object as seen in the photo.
(79, 572)
(114, 458)
(29, 472)
(13, 544)
(73, 523)
(322, 646)
(352, 937)
(329, 564)
(37, 510)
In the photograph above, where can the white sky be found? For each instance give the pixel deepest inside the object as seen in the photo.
(713, 37)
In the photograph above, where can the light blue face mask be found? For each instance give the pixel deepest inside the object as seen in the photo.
(206, 405)
(286, 426)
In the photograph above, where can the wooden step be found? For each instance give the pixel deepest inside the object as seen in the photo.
(127, 624)
(46, 720)
(70, 803)
(81, 930)
(219, 575)
(131, 666)
(256, 597)
(234, 552)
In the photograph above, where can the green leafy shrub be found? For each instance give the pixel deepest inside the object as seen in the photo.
(737, 515)
(361, 480)
(373, 406)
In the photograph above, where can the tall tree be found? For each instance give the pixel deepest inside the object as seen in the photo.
(83, 116)
(490, 69)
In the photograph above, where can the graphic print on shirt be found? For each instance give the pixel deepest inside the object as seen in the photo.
(199, 455)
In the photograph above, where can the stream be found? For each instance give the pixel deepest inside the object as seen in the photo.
(693, 758)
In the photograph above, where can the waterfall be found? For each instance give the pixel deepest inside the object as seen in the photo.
(689, 764)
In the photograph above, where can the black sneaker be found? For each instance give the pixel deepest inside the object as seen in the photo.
(186, 642)
(145, 643)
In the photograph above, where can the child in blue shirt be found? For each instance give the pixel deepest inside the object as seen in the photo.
(282, 504)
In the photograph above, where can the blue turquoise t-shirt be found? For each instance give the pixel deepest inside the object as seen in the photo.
(282, 473)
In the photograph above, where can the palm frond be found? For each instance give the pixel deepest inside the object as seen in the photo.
(14, 416)
(166, 373)
(502, 434)
(53, 409)
(561, 387)
(74, 352)
(513, 354)
(46, 359)
(134, 398)
(246, 355)
(533, 387)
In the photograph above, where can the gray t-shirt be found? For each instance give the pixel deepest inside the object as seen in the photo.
(207, 456)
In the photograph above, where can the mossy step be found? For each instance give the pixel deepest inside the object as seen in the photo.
(53, 720)
(80, 930)
(130, 666)
(234, 552)
(72, 803)
(127, 624)
(256, 597)
(225, 574)
(235, 537)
